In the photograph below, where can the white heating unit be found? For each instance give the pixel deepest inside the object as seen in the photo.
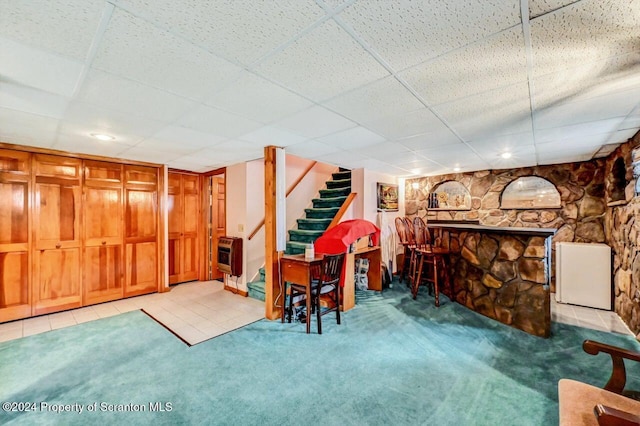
(583, 274)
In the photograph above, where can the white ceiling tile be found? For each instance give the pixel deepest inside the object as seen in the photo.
(232, 150)
(520, 154)
(501, 111)
(578, 131)
(584, 32)
(34, 101)
(347, 159)
(98, 119)
(488, 64)
(149, 155)
(323, 64)
(66, 27)
(499, 144)
(241, 30)
(447, 155)
(171, 149)
(69, 139)
(382, 98)
(136, 49)
(26, 66)
(270, 135)
(186, 137)
(22, 128)
(110, 91)
(610, 76)
(382, 151)
(311, 149)
(561, 158)
(541, 7)
(406, 32)
(72, 132)
(253, 96)
(621, 136)
(408, 124)
(315, 122)
(218, 122)
(351, 139)
(441, 137)
(615, 105)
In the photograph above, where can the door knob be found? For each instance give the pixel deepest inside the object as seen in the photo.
(58, 245)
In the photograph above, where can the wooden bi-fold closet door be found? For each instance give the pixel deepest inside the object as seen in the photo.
(184, 215)
(141, 229)
(103, 254)
(57, 240)
(15, 262)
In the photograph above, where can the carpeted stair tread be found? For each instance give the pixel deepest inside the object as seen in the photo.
(321, 213)
(328, 202)
(256, 290)
(335, 192)
(341, 175)
(294, 247)
(342, 183)
(314, 224)
(304, 235)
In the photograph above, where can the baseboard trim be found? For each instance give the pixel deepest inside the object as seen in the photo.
(234, 290)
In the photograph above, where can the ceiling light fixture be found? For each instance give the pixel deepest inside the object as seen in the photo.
(101, 136)
(456, 169)
(505, 155)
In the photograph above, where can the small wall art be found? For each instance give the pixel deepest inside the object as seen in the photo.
(387, 197)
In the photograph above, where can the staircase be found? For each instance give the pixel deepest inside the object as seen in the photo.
(316, 221)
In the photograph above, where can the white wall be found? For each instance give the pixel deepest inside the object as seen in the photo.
(236, 200)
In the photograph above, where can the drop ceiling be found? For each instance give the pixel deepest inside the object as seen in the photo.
(394, 86)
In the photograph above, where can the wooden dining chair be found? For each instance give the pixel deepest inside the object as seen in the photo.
(326, 285)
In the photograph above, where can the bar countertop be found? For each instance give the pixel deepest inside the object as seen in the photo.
(474, 227)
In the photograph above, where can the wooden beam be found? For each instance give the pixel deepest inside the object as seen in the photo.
(343, 210)
(272, 272)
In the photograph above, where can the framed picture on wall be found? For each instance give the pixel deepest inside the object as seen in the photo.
(387, 197)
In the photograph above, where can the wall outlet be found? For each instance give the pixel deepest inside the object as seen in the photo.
(240, 227)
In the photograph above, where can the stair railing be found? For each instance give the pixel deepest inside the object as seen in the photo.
(289, 191)
(342, 211)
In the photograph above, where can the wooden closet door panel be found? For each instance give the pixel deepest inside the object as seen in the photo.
(57, 280)
(175, 214)
(141, 264)
(57, 211)
(15, 254)
(190, 258)
(191, 213)
(103, 216)
(15, 300)
(175, 265)
(141, 213)
(103, 274)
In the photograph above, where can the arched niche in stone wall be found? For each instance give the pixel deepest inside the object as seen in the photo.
(449, 195)
(530, 192)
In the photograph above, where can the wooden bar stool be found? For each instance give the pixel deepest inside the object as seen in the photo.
(429, 263)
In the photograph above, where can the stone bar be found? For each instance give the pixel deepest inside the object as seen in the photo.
(500, 272)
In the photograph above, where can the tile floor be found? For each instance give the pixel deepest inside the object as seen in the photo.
(199, 311)
(596, 319)
(195, 312)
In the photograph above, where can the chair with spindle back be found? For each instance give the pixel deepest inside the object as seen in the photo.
(428, 263)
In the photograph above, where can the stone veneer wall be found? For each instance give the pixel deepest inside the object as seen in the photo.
(623, 234)
(500, 275)
(581, 217)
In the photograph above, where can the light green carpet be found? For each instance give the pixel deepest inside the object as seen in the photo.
(392, 361)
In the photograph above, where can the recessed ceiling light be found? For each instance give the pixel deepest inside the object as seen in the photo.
(456, 169)
(505, 155)
(101, 136)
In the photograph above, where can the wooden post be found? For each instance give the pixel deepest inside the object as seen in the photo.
(272, 272)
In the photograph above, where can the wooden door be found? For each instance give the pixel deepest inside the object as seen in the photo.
(218, 221)
(57, 239)
(103, 255)
(141, 230)
(15, 271)
(184, 214)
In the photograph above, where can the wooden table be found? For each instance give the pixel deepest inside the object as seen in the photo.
(296, 269)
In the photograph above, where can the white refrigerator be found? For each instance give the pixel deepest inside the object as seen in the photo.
(583, 274)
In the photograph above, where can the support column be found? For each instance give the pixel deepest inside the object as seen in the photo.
(272, 272)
